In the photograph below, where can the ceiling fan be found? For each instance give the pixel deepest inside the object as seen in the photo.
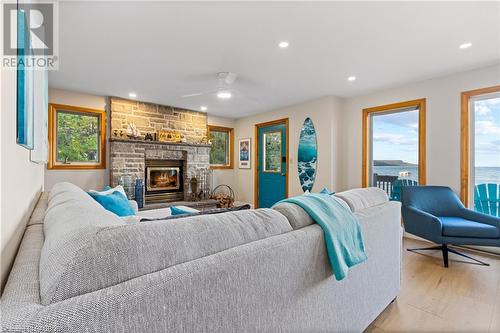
(224, 89)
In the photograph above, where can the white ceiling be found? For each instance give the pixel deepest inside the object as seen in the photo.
(163, 50)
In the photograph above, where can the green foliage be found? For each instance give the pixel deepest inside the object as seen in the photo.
(219, 153)
(77, 137)
(273, 151)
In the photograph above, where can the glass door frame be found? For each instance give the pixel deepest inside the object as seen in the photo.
(467, 149)
(367, 130)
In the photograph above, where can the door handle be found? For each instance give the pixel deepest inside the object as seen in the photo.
(283, 174)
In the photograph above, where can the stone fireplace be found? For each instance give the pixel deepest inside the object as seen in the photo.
(136, 158)
(165, 167)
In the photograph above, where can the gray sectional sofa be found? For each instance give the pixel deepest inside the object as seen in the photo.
(81, 268)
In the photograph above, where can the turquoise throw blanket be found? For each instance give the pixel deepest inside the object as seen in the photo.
(343, 236)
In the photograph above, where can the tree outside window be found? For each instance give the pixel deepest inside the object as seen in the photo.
(221, 153)
(77, 137)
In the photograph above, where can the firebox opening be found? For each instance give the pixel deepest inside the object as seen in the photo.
(163, 178)
(164, 181)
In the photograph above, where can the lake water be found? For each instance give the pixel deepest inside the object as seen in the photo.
(483, 174)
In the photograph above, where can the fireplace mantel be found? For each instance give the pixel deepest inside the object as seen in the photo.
(134, 141)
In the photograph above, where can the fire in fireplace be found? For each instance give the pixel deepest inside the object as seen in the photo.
(164, 180)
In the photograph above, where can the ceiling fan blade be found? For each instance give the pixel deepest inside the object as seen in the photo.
(191, 95)
(201, 93)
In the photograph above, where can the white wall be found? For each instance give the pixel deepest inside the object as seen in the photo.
(21, 180)
(326, 115)
(443, 123)
(86, 179)
(224, 176)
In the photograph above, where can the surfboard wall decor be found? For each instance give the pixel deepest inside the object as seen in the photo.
(308, 155)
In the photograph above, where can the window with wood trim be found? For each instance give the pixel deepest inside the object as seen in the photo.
(394, 146)
(480, 150)
(221, 153)
(77, 137)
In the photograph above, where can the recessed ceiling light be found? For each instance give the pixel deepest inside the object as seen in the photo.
(224, 94)
(465, 46)
(351, 78)
(203, 108)
(132, 95)
(283, 44)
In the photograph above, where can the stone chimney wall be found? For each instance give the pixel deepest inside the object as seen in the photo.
(150, 118)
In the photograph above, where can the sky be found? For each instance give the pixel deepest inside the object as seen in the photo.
(487, 132)
(395, 136)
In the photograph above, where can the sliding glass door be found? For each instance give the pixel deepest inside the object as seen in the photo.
(482, 120)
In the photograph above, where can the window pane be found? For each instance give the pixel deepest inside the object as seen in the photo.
(487, 155)
(77, 137)
(272, 152)
(394, 151)
(219, 153)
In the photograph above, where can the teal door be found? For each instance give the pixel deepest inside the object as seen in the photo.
(272, 160)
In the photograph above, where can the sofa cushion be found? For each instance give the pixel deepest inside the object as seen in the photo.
(72, 219)
(460, 227)
(155, 214)
(88, 248)
(362, 198)
(296, 215)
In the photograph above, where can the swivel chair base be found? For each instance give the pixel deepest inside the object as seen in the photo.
(445, 249)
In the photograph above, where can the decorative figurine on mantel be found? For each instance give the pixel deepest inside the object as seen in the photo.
(169, 136)
(119, 134)
(205, 141)
(133, 132)
(150, 137)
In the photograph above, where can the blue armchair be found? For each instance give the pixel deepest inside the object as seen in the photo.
(436, 214)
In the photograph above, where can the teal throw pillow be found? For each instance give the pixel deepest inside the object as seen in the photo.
(115, 202)
(179, 210)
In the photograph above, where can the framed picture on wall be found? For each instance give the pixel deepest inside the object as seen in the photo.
(245, 152)
(25, 83)
(31, 87)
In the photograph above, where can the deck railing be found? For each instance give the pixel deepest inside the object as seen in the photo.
(392, 185)
(384, 182)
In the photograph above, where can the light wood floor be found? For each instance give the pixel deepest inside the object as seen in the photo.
(461, 298)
